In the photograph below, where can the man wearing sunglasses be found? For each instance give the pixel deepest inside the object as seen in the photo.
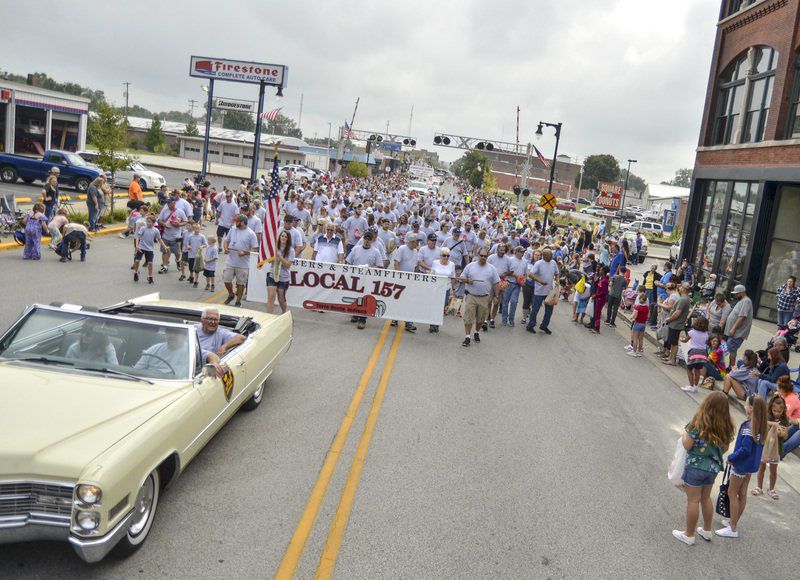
(481, 279)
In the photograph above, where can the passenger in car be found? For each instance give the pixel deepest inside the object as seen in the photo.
(212, 337)
(92, 346)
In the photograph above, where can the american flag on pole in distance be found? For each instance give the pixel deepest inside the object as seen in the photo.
(347, 133)
(269, 235)
(271, 115)
(544, 161)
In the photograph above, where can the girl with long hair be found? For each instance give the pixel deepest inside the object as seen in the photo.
(280, 271)
(744, 461)
(776, 419)
(705, 438)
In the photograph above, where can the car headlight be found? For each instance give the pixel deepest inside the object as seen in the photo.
(87, 521)
(89, 494)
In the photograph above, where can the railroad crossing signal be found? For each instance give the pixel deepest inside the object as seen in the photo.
(548, 201)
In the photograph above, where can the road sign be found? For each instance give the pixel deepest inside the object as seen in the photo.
(234, 105)
(548, 201)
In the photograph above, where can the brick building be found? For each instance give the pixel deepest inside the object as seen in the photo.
(507, 171)
(744, 206)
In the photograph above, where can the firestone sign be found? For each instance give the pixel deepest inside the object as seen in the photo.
(234, 105)
(240, 71)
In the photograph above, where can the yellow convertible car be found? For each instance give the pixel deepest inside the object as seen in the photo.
(100, 409)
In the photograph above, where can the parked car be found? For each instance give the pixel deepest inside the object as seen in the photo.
(584, 201)
(647, 228)
(625, 215)
(594, 210)
(73, 169)
(148, 179)
(109, 406)
(298, 171)
(635, 208)
(566, 205)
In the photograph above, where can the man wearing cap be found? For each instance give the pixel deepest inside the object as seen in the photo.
(240, 242)
(226, 211)
(737, 328)
(354, 227)
(172, 220)
(518, 270)
(328, 247)
(364, 255)
(428, 254)
(406, 259)
(502, 264)
(455, 243)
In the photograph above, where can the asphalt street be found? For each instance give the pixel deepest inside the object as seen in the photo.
(520, 457)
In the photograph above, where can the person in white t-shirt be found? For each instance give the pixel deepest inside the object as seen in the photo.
(444, 267)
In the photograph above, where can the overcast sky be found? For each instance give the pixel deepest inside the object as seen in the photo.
(626, 77)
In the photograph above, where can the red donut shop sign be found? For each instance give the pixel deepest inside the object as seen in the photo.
(241, 71)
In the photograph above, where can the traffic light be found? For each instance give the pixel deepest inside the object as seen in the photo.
(526, 192)
(413, 142)
(485, 145)
(441, 140)
(516, 190)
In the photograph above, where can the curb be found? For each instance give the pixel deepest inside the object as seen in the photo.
(46, 240)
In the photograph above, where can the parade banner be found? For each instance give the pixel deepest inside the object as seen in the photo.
(357, 290)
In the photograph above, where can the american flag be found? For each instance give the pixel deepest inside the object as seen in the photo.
(271, 115)
(347, 133)
(544, 161)
(269, 235)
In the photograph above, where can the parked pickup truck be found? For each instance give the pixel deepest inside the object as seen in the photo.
(74, 170)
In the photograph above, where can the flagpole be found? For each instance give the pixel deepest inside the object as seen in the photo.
(257, 143)
(339, 155)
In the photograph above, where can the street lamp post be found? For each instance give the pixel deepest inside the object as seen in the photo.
(625, 190)
(557, 127)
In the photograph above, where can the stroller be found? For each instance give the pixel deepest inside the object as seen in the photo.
(629, 296)
(11, 220)
(789, 332)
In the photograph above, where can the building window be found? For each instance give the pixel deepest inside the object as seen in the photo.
(736, 237)
(794, 113)
(734, 6)
(715, 204)
(230, 154)
(745, 91)
(784, 252)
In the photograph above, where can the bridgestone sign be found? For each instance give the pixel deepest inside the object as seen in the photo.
(240, 71)
(234, 105)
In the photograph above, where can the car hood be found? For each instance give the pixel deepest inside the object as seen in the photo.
(54, 423)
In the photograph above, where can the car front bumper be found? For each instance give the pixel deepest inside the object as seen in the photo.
(95, 549)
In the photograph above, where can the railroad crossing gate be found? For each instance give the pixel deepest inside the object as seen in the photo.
(548, 201)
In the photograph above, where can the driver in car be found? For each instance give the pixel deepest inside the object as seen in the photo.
(92, 346)
(172, 357)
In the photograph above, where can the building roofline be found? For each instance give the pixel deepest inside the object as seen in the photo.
(45, 92)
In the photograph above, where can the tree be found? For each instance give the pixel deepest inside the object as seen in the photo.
(600, 167)
(489, 182)
(466, 167)
(178, 116)
(137, 111)
(154, 138)
(683, 178)
(357, 169)
(636, 183)
(191, 129)
(283, 126)
(239, 120)
(108, 132)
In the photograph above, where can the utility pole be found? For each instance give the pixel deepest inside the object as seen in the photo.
(127, 91)
(192, 103)
(387, 127)
(329, 134)
(300, 116)
(410, 119)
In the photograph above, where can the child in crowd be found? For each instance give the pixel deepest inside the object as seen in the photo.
(697, 354)
(192, 244)
(705, 438)
(744, 461)
(144, 240)
(642, 309)
(778, 420)
(582, 302)
(714, 367)
(210, 257)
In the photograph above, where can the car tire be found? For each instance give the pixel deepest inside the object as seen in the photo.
(27, 181)
(144, 511)
(82, 184)
(142, 184)
(9, 174)
(254, 401)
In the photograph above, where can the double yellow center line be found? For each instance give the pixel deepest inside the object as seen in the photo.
(327, 563)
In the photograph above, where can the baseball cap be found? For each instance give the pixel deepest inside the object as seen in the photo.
(739, 289)
(240, 218)
(288, 218)
(432, 237)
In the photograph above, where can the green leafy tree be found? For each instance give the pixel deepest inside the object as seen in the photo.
(683, 178)
(601, 167)
(357, 169)
(283, 125)
(191, 129)
(154, 138)
(137, 111)
(466, 167)
(178, 116)
(108, 132)
(636, 183)
(239, 120)
(489, 182)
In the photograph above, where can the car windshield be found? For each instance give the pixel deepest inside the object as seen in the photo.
(136, 166)
(75, 159)
(72, 339)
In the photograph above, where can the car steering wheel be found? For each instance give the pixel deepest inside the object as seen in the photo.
(155, 356)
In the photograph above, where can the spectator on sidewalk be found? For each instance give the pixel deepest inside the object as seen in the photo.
(676, 322)
(737, 328)
(135, 194)
(718, 311)
(94, 199)
(52, 195)
(743, 379)
(35, 226)
(649, 283)
(769, 378)
(600, 296)
(616, 285)
(786, 390)
(661, 285)
(788, 300)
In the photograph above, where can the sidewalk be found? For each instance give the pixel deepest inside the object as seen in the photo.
(113, 229)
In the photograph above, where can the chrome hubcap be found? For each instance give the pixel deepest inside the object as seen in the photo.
(143, 507)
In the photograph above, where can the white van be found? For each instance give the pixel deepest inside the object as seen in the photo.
(651, 228)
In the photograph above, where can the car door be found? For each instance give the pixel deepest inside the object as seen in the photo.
(123, 176)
